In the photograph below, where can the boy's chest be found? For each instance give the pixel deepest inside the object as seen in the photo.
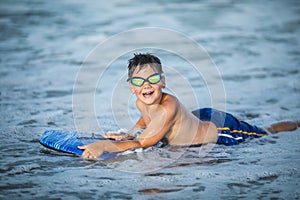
(148, 115)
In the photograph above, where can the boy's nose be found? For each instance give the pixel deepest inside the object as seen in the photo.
(147, 84)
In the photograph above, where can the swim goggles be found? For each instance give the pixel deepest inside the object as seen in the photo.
(138, 81)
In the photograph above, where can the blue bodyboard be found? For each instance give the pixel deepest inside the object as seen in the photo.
(67, 142)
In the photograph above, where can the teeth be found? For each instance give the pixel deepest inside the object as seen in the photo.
(147, 93)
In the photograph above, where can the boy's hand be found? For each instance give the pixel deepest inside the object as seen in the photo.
(114, 136)
(93, 150)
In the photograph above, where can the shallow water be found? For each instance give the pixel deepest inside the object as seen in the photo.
(254, 45)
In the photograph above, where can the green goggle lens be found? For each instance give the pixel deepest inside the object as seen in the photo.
(137, 81)
(153, 79)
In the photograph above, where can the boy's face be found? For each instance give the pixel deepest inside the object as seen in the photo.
(147, 93)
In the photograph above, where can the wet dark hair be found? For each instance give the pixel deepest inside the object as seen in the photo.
(142, 60)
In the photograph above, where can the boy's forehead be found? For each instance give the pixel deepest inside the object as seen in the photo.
(144, 69)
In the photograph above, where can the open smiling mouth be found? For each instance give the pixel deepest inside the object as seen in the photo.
(148, 94)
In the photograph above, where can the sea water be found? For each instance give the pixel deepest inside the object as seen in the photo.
(254, 46)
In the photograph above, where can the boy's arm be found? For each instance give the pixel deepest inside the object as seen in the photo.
(161, 123)
(140, 123)
(96, 149)
(129, 135)
(156, 130)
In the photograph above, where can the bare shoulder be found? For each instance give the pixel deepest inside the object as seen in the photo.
(170, 104)
(169, 101)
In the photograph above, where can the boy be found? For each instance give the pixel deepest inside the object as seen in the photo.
(163, 117)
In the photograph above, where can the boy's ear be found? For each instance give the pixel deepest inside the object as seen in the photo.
(132, 90)
(163, 82)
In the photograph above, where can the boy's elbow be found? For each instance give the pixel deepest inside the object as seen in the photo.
(145, 143)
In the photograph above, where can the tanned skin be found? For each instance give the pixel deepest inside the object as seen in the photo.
(162, 116)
